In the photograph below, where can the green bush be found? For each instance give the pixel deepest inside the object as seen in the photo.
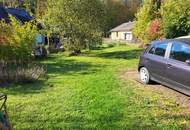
(16, 41)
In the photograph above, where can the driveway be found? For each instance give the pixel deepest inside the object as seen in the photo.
(180, 99)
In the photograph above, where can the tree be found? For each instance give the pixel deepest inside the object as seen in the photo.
(175, 18)
(40, 8)
(148, 20)
(118, 11)
(79, 22)
(143, 19)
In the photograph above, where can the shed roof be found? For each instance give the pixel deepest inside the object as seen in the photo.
(123, 27)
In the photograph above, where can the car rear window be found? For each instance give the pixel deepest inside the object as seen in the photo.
(159, 49)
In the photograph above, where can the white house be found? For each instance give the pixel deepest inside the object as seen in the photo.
(123, 32)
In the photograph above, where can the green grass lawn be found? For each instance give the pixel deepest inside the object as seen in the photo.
(84, 92)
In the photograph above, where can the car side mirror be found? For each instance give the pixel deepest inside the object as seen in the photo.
(187, 62)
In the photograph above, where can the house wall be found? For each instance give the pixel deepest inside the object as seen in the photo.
(128, 36)
(114, 36)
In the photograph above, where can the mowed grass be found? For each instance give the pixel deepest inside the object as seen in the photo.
(84, 92)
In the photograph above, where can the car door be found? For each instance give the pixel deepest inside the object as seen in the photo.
(157, 61)
(178, 71)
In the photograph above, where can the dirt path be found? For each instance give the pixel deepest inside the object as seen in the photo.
(179, 98)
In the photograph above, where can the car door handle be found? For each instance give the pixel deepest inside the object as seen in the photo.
(169, 66)
(147, 59)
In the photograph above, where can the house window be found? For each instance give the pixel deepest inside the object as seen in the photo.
(117, 34)
(128, 36)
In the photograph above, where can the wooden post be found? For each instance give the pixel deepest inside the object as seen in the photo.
(48, 42)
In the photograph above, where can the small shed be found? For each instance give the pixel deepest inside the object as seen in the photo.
(123, 32)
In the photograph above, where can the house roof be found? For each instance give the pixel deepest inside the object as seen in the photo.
(20, 14)
(123, 27)
(4, 15)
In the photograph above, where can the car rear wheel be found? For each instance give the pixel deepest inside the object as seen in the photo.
(144, 75)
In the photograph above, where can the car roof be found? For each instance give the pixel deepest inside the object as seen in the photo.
(184, 40)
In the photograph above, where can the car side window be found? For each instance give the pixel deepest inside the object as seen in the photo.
(159, 49)
(152, 50)
(180, 52)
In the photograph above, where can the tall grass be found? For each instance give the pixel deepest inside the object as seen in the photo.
(20, 72)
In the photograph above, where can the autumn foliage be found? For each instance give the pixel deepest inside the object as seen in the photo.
(5, 33)
(154, 29)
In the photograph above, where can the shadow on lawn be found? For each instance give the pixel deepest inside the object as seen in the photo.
(71, 67)
(22, 89)
(130, 54)
(55, 68)
(103, 47)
